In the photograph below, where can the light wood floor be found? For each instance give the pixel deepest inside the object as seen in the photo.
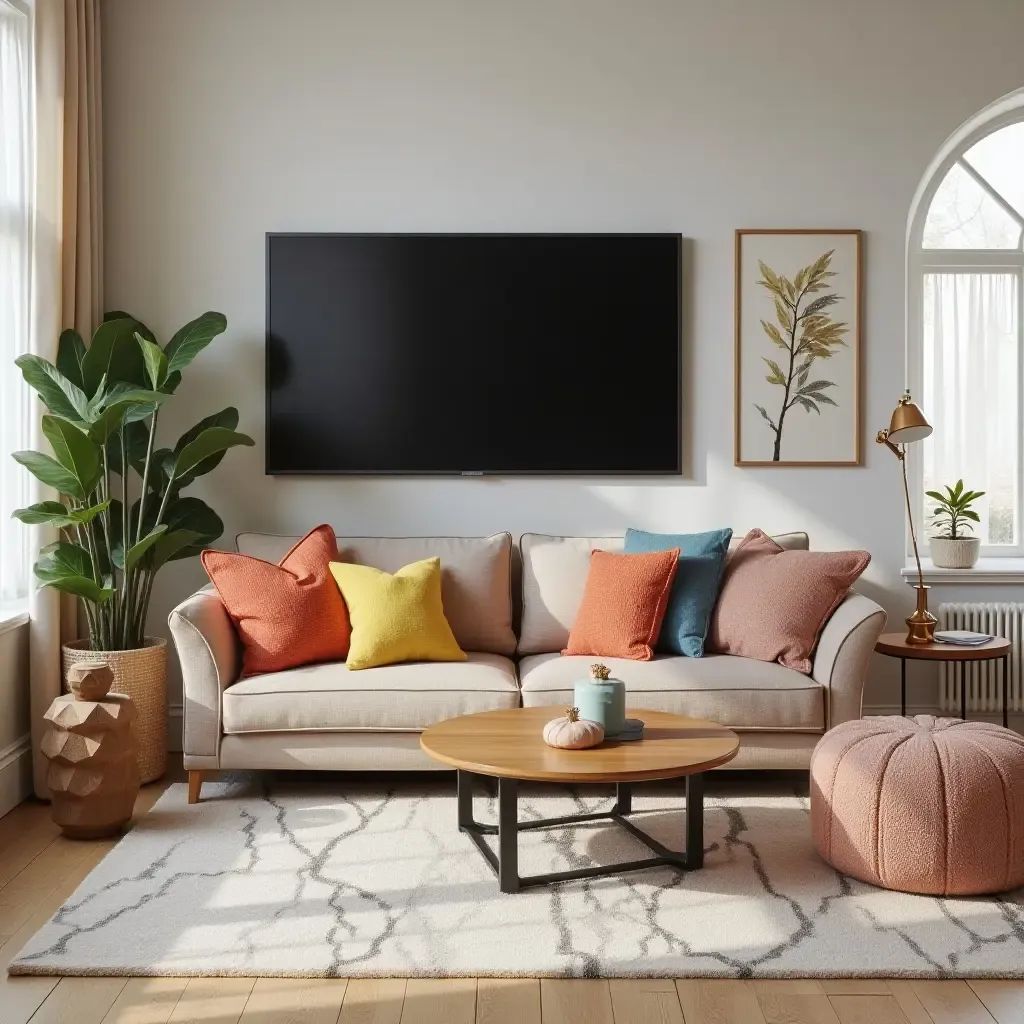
(39, 869)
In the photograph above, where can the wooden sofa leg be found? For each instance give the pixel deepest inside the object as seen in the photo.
(195, 785)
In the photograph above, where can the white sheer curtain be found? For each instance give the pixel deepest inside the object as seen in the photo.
(16, 194)
(971, 377)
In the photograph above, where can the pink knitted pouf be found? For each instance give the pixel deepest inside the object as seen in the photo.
(926, 805)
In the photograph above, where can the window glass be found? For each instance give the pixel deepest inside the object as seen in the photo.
(999, 159)
(972, 394)
(15, 292)
(964, 216)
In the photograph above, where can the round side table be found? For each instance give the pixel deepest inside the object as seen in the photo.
(895, 646)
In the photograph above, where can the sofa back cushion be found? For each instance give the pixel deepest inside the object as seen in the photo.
(476, 587)
(555, 577)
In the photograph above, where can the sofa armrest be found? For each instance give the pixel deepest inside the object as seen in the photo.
(208, 651)
(844, 650)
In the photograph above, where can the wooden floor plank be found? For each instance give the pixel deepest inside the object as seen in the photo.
(212, 1001)
(644, 1001)
(439, 1001)
(508, 1001)
(295, 1001)
(718, 1001)
(1004, 1000)
(855, 987)
(79, 1001)
(45, 909)
(784, 1006)
(867, 1009)
(575, 1002)
(951, 1002)
(21, 997)
(146, 1001)
(21, 818)
(904, 994)
(788, 986)
(373, 1001)
(24, 832)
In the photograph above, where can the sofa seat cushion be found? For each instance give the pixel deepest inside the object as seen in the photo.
(738, 693)
(390, 698)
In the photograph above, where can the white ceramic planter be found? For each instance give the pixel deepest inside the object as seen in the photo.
(961, 553)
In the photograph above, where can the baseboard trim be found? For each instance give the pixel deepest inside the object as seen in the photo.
(1015, 718)
(15, 773)
(894, 709)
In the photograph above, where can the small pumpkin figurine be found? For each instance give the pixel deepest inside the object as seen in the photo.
(573, 732)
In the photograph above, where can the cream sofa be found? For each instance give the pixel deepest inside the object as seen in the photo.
(326, 717)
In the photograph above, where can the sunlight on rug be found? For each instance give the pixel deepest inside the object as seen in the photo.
(315, 876)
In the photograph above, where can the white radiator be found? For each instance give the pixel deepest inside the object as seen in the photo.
(984, 679)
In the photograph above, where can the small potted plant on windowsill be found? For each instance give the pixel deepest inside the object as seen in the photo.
(952, 515)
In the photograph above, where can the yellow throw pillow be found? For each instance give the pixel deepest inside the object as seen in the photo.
(396, 618)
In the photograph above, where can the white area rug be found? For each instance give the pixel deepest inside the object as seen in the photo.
(307, 876)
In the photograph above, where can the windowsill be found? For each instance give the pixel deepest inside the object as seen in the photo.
(13, 615)
(986, 570)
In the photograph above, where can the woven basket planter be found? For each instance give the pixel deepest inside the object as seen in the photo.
(142, 675)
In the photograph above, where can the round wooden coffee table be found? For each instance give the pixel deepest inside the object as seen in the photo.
(507, 745)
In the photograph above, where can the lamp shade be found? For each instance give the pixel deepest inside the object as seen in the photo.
(908, 423)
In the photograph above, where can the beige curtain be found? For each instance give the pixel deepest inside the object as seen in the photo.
(68, 269)
(82, 221)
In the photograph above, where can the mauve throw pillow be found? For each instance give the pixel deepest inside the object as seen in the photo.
(623, 604)
(698, 577)
(774, 603)
(288, 614)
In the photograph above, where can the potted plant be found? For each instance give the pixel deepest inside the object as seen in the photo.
(952, 515)
(121, 513)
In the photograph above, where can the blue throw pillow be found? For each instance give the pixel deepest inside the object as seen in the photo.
(695, 587)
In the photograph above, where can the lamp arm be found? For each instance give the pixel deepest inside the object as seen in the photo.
(910, 515)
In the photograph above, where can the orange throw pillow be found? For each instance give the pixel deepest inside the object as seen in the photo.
(623, 604)
(286, 615)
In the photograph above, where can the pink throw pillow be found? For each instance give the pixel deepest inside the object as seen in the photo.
(774, 603)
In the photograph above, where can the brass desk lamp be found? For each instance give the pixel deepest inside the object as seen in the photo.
(907, 426)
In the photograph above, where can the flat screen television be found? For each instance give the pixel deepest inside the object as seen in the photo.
(473, 354)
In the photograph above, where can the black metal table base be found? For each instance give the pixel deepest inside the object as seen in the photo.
(1004, 658)
(505, 863)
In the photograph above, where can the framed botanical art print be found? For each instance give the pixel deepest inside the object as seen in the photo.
(798, 310)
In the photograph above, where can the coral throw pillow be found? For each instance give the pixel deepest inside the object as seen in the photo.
(774, 603)
(623, 604)
(396, 618)
(287, 614)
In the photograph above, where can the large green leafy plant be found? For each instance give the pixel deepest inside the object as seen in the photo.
(121, 513)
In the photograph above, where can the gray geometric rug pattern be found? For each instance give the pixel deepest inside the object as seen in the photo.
(318, 876)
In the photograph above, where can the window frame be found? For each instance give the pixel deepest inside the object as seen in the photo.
(922, 262)
(14, 612)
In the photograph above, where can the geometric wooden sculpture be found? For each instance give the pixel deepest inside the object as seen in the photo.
(90, 680)
(93, 772)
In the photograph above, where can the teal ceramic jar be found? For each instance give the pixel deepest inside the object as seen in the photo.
(603, 700)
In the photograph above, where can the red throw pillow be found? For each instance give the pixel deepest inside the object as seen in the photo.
(623, 604)
(774, 603)
(288, 614)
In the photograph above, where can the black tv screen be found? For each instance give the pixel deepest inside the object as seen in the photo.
(473, 354)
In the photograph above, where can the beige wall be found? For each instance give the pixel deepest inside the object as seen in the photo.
(15, 761)
(225, 119)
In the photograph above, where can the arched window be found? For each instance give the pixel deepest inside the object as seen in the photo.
(965, 299)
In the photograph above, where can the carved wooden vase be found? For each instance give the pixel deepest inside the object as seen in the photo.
(93, 772)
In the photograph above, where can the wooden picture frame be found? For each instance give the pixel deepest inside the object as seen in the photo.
(798, 347)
